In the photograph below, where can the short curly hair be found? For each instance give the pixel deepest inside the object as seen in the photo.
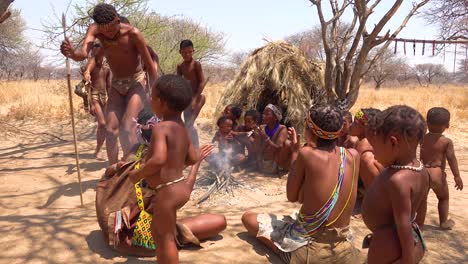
(104, 14)
(438, 116)
(174, 90)
(328, 118)
(400, 119)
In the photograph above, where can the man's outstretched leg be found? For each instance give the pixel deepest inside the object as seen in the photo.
(135, 99)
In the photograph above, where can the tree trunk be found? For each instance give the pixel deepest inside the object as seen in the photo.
(4, 13)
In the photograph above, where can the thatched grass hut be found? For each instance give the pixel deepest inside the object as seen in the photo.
(280, 74)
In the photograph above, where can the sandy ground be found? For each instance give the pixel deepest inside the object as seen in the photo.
(41, 220)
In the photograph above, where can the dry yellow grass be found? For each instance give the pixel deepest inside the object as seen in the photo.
(38, 100)
(49, 100)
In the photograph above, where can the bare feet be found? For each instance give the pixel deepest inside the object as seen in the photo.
(98, 156)
(185, 235)
(447, 225)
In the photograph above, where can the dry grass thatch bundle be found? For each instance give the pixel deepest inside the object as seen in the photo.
(280, 74)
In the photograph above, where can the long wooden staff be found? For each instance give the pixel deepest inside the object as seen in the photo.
(77, 157)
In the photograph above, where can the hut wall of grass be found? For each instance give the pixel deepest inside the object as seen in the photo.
(280, 74)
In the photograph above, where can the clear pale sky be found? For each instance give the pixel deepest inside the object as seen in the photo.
(247, 22)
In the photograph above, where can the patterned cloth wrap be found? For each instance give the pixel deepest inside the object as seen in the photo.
(142, 232)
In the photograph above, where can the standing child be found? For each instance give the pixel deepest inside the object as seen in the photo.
(435, 149)
(391, 202)
(170, 151)
(191, 70)
(101, 79)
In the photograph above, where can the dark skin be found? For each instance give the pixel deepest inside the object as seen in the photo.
(312, 177)
(191, 70)
(247, 136)
(170, 151)
(122, 46)
(227, 141)
(271, 147)
(100, 78)
(392, 201)
(346, 140)
(435, 150)
(370, 167)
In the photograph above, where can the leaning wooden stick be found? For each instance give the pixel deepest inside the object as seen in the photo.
(77, 157)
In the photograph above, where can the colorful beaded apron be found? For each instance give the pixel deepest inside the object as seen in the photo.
(142, 232)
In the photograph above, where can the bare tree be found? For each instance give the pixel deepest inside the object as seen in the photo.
(385, 68)
(238, 58)
(4, 12)
(451, 16)
(428, 73)
(310, 42)
(343, 77)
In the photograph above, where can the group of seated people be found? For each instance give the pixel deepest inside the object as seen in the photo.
(256, 144)
(376, 148)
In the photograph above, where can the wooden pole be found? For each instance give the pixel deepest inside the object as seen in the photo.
(77, 158)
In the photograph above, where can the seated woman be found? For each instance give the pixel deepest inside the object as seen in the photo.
(121, 205)
(271, 137)
(324, 180)
(370, 167)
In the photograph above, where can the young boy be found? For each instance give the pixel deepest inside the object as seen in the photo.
(99, 86)
(435, 149)
(231, 150)
(392, 201)
(191, 70)
(345, 139)
(324, 180)
(170, 151)
(122, 46)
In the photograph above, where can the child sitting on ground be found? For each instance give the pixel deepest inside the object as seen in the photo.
(234, 112)
(345, 139)
(247, 135)
(231, 150)
(435, 149)
(169, 152)
(320, 233)
(396, 196)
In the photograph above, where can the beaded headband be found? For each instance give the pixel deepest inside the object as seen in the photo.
(320, 132)
(361, 118)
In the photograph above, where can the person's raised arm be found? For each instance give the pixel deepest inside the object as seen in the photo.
(159, 155)
(141, 46)
(69, 51)
(200, 77)
(400, 198)
(370, 168)
(296, 170)
(154, 57)
(453, 163)
(203, 152)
